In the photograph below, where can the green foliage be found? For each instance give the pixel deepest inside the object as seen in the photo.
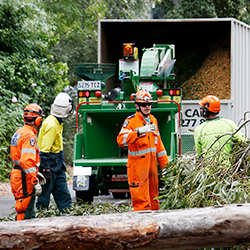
(238, 9)
(78, 209)
(192, 181)
(27, 71)
(184, 9)
(120, 9)
(11, 119)
(9, 217)
(26, 35)
(78, 29)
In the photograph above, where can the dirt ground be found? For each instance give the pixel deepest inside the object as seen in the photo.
(5, 189)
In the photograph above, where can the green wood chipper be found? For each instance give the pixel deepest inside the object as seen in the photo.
(99, 163)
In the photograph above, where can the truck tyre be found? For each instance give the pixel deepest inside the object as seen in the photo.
(84, 196)
(119, 195)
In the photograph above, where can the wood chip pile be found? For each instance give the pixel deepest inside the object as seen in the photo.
(211, 78)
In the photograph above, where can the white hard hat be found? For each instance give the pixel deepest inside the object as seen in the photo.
(62, 105)
(63, 100)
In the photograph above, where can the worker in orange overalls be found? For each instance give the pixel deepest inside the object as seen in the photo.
(24, 177)
(145, 148)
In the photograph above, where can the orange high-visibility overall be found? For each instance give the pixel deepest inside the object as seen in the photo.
(143, 155)
(25, 158)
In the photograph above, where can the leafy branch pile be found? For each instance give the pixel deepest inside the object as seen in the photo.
(78, 209)
(200, 181)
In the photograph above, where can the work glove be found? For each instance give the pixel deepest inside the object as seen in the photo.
(41, 178)
(38, 189)
(48, 175)
(146, 129)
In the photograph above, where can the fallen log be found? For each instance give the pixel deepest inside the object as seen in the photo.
(221, 226)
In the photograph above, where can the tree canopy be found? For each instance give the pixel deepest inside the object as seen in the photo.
(172, 9)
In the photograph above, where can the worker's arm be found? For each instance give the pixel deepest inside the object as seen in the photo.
(197, 142)
(161, 152)
(46, 140)
(128, 135)
(239, 135)
(28, 157)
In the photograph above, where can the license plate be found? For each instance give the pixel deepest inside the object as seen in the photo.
(89, 85)
(79, 170)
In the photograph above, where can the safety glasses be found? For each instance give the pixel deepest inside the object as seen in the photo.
(144, 104)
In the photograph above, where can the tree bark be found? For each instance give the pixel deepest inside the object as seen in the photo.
(195, 228)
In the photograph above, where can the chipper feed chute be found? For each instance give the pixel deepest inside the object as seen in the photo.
(166, 65)
(95, 71)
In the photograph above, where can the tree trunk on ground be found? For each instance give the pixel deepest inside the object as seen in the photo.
(166, 229)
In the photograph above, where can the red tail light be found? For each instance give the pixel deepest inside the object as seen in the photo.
(172, 92)
(83, 94)
(98, 93)
(159, 92)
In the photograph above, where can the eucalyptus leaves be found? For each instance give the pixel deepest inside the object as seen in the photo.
(193, 181)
